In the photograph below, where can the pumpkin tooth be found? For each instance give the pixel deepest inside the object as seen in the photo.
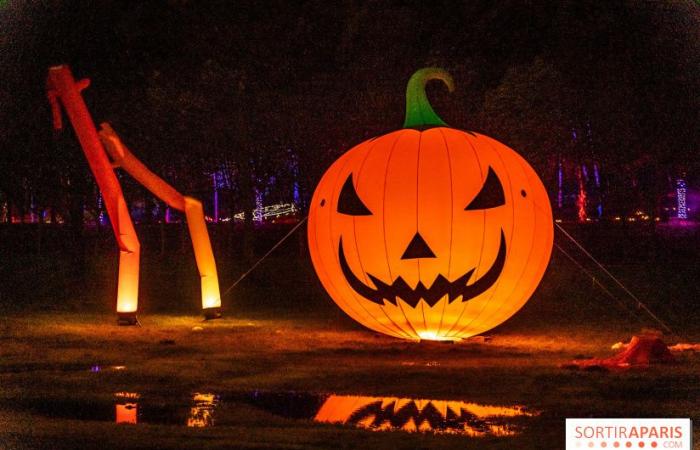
(380, 285)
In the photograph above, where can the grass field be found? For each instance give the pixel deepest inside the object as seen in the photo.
(68, 373)
(51, 359)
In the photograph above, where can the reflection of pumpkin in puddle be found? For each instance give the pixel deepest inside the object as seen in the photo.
(430, 232)
(438, 416)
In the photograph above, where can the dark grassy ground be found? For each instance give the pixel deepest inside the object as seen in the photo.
(282, 334)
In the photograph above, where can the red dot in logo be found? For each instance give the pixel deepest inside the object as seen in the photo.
(653, 444)
(641, 444)
(628, 444)
(616, 444)
(590, 444)
(603, 444)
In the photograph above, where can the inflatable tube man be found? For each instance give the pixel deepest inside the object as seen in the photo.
(62, 88)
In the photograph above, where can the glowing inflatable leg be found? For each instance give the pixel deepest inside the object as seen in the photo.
(61, 86)
(128, 285)
(211, 298)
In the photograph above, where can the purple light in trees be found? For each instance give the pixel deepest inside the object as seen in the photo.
(596, 177)
(216, 197)
(294, 166)
(681, 192)
(560, 181)
(596, 174)
(257, 214)
(100, 206)
(219, 181)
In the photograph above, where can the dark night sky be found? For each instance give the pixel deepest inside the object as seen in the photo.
(199, 82)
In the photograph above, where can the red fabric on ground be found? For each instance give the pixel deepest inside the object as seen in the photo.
(684, 346)
(640, 352)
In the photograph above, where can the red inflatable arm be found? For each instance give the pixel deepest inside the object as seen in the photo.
(63, 89)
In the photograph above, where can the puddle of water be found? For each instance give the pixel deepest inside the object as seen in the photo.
(292, 405)
(131, 408)
(367, 412)
(399, 414)
(411, 415)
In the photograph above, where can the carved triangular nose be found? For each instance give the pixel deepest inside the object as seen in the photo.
(418, 248)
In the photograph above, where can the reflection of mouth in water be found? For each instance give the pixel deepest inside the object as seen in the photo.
(438, 416)
(393, 413)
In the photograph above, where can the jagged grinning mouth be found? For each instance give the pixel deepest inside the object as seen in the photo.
(375, 414)
(431, 295)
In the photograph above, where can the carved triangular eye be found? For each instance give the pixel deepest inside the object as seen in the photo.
(491, 194)
(349, 203)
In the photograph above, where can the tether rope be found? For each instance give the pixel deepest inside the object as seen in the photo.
(595, 281)
(257, 263)
(640, 304)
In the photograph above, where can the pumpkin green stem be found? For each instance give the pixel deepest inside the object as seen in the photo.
(419, 113)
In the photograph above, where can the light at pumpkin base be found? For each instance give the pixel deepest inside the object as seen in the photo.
(429, 335)
(430, 232)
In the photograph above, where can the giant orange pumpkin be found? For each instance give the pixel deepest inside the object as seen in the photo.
(430, 232)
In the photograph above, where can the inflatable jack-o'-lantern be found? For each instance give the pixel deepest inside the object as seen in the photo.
(430, 232)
